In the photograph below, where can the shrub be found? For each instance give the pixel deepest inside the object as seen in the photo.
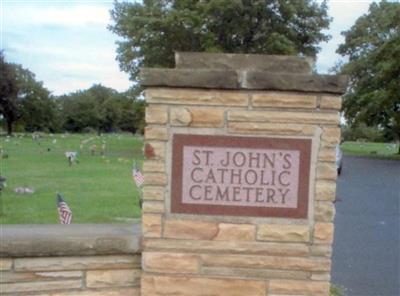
(362, 133)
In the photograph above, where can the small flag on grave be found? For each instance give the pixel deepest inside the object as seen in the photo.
(64, 212)
(139, 180)
(137, 177)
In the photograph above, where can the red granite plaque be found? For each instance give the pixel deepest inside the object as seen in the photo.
(240, 176)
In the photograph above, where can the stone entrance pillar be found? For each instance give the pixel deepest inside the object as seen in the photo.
(239, 176)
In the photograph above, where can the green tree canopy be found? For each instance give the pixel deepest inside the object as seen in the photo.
(102, 109)
(24, 99)
(37, 108)
(25, 103)
(8, 91)
(372, 46)
(86, 108)
(153, 30)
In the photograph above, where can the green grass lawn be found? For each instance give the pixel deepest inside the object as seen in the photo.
(97, 189)
(382, 150)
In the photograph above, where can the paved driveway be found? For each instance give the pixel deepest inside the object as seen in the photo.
(366, 254)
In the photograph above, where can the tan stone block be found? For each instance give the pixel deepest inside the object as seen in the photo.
(40, 286)
(323, 233)
(267, 128)
(284, 100)
(331, 102)
(256, 273)
(188, 229)
(326, 171)
(112, 278)
(237, 247)
(207, 117)
(321, 276)
(153, 192)
(265, 262)
(200, 286)
(317, 118)
(153, 207)
(197, 97)
(327, 155)
(299, 287)
(199, 117)
(324, 211)
(157, 179)
(283, 233)
(170, 262)
(59, 274)
(330, 137)
(180, 116)
(325, 190)
(156, 114)
(151, 225)
(154, 150)
(75, 263)
(159, 133)
(134, 291)
(154, 166)
(5, 264)
(238, 232)
(321, 250)
(13, 277)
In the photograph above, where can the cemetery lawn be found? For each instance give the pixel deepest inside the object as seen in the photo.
(378, 150)
(97, 189)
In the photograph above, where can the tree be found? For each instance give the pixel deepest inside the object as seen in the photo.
(80, 111)
(37, 109)
(372, 46)
(153, 30)
(8, 91)
(39, 113)
(133, 114)
(102, 109)
(25, 100)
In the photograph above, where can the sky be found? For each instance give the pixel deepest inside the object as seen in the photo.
(67, 45)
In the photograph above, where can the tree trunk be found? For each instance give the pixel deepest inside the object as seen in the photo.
(9, 127)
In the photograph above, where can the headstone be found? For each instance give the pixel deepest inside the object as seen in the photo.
(72, 157)
(24, 190)
(239, 177)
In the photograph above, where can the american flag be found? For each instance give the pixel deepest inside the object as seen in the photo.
(137, 177)
(64, 212)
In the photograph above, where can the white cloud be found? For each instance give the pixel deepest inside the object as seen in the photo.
(65, 52)
(40, 50)
(59, 86)
(80, 67)
(344, 14)
(72, 76)
(19, 14)
(67, 45)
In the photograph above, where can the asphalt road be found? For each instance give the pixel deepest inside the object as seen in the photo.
(366, 250)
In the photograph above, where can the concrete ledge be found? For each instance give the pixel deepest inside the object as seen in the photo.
(242, 79)
(230, 61)
(296, 82)
(69, 240)
(243, 71)
(203, 78)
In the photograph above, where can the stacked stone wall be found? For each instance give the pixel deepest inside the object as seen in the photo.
(70, 260)
(62, 276)
(185, 254)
